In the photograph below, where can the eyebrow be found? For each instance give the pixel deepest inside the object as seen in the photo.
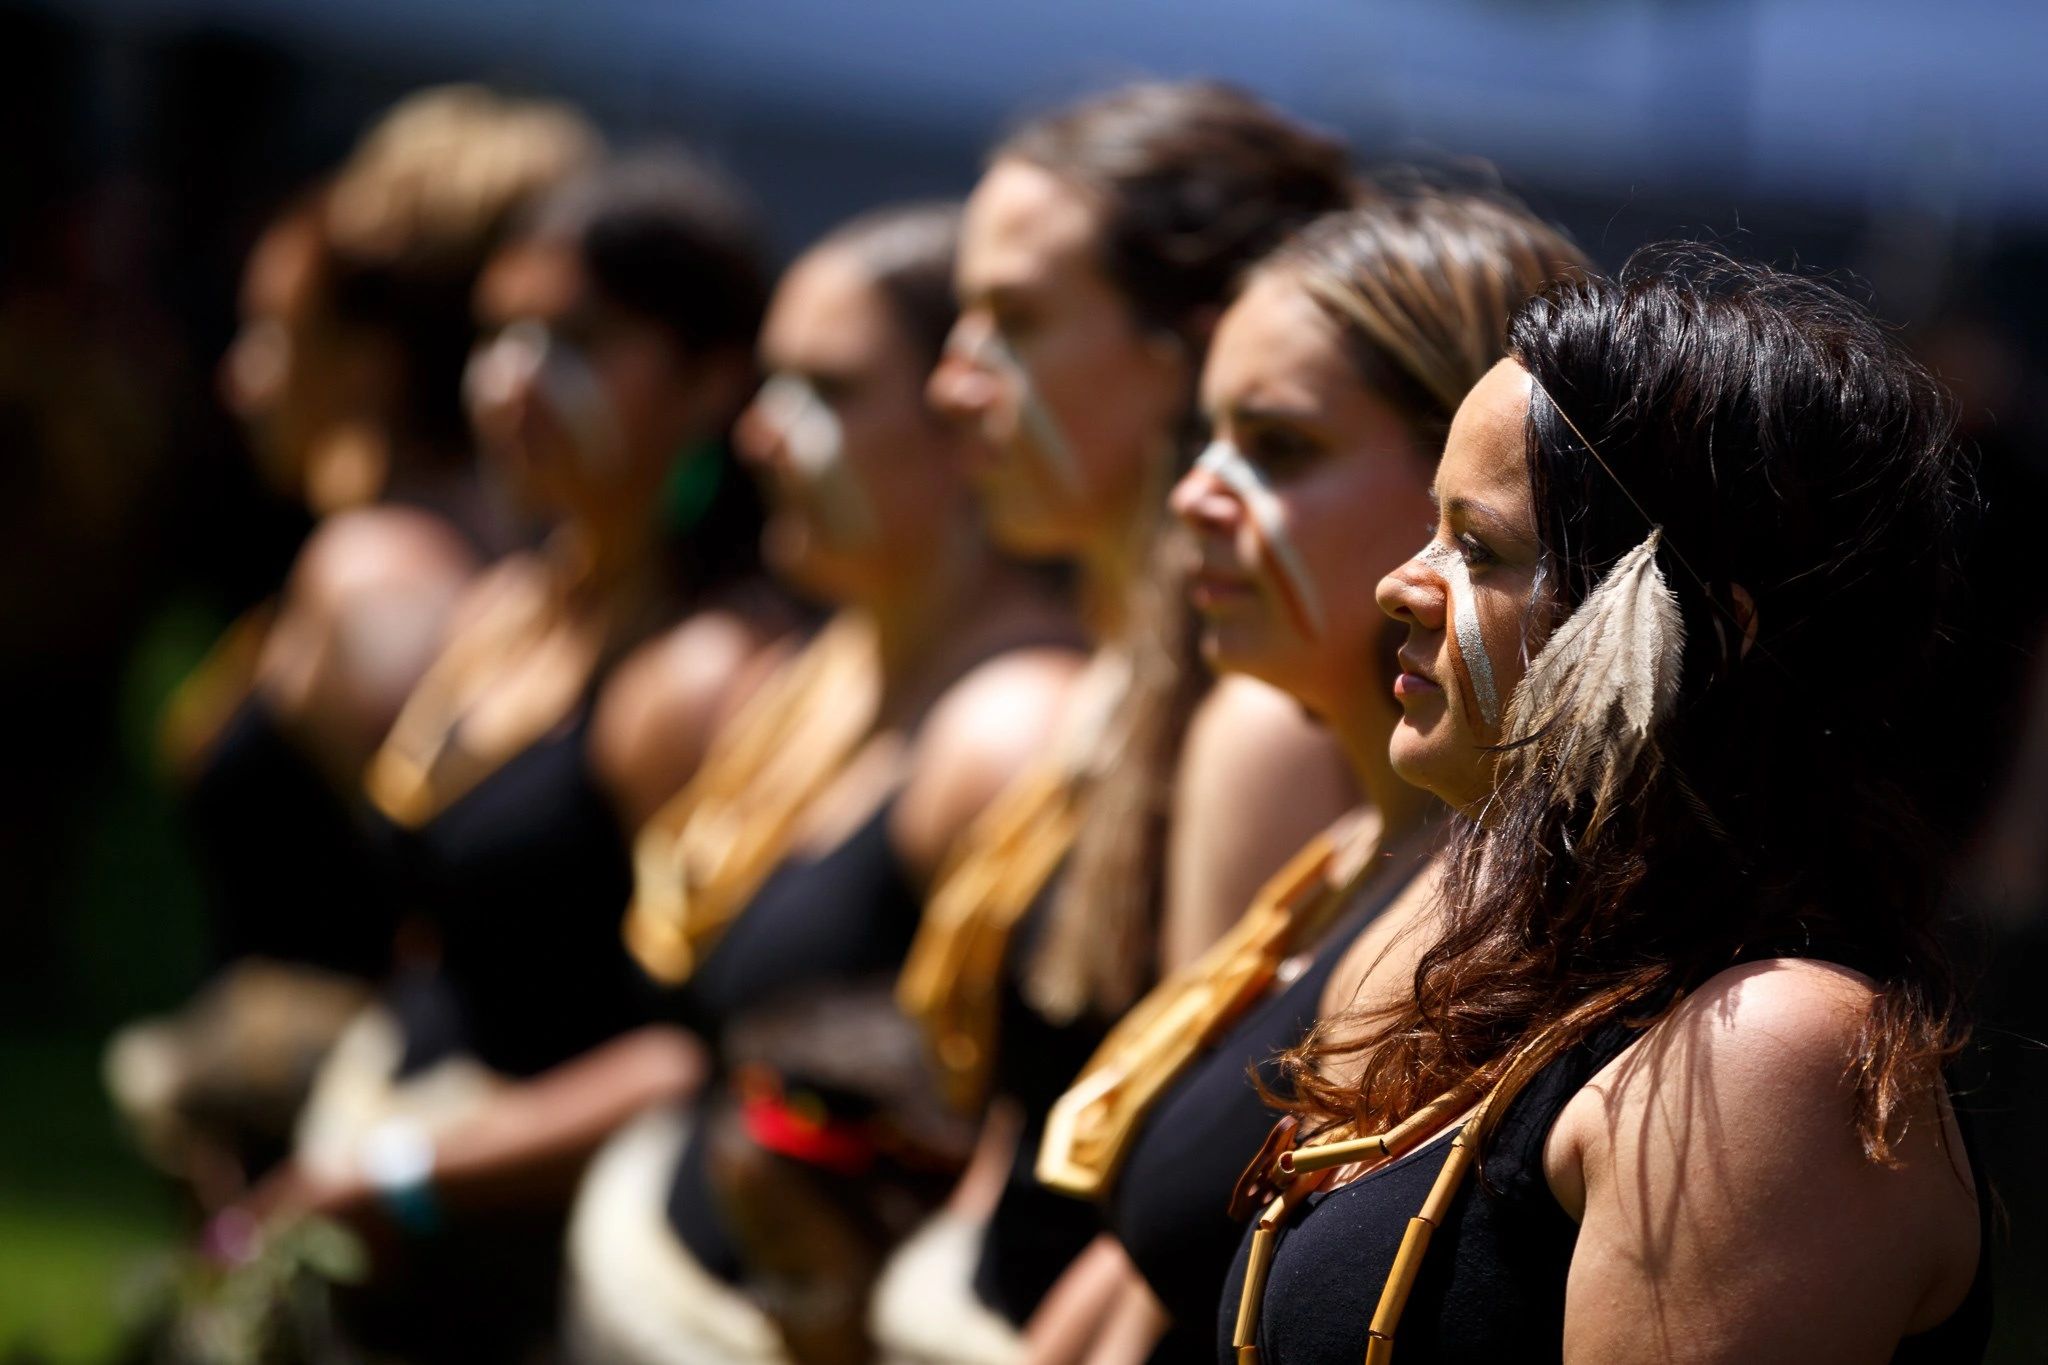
(1272, 412)
(1475, 510)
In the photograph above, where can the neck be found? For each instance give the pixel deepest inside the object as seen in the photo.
(926, 622)
(1111, 568)
(1362, 732)
(601, 565)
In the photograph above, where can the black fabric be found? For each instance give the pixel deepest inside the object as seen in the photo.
(289, 866)
(524, 882)
(1493, 1285)
(1169, 1206)
(845, 917)
(1035, 1232)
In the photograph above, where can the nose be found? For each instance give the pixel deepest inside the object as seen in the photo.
(1414, 594)
(252, 372)
(960, 386)
(758, 438)
(1205, 504)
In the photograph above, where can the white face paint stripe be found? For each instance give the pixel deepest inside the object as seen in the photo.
(529, 351)
(816, 442)
(1227, 464)
(1041, 429)
(1465, 628)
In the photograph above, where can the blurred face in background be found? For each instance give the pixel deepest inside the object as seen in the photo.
(277, 376)
(1077, 403)
(864, 481)
(579, 404)
(1312, 488)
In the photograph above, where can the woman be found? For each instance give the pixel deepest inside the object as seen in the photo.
(346, 374)
(626, 311)
(1328, 389)
(1691, 549)
(1096, 252)
(784, 882)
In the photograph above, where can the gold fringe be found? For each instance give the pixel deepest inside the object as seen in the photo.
(1091, 1126)
(705, 853)
(951, 979)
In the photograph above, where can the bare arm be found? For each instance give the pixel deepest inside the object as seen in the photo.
(1258, 778)
(1729, 1213)
(531, 1140)
(1069, 1326)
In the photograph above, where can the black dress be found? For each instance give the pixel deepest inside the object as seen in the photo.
(1169, 1204)
(289, 864)
(524, 880)
(842, 919)
(1493, 1285)
(1035, 1232)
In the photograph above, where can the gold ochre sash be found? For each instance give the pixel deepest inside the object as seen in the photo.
(951, 980)
(699, 860)
(1091, 1127)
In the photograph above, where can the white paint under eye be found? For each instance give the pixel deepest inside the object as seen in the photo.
(816, 441)
(1042, 431)
(531, 352)
(1465, 629)
(1227, 464)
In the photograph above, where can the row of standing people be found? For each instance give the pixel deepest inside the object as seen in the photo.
(917, 1022)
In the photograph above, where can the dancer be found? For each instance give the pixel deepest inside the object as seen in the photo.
(1685, 1011)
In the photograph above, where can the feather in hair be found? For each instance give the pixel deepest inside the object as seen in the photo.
(1584, 712)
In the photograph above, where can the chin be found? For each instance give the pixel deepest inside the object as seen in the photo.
(1028, 534)
(1412, 752)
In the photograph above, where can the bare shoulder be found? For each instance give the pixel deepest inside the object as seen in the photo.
(1716, 1167)
(979, 736)
(1767, 1033)
(659, 709)
(373, 548)
(1258, 777)
(1242, 724)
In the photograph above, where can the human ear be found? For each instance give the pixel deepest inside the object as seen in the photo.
(1745, 615)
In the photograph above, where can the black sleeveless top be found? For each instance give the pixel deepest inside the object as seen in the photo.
(1169, 1206)
(845, 917)
(289, 865)
(1493, 1285)
(1035, 1232)
(524, 880)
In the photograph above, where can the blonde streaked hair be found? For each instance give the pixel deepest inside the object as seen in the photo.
(1423, 279)
(440, 176)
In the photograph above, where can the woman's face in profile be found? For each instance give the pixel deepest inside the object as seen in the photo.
(1311, 489)
(270, 372)
(1466, 597)
(577, 401)
(1074, 400)
(863, 478)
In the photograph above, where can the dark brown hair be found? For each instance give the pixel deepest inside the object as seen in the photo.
(1195, 181)
(906, 251)
(1790, 448)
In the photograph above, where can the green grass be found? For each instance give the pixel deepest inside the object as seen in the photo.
(78, 1210)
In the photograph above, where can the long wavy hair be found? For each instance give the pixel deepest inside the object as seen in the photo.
(1792, 450)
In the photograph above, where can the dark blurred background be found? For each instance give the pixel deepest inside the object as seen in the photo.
(1897, 146)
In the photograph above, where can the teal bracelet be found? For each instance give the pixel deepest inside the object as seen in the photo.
(398, 1162)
